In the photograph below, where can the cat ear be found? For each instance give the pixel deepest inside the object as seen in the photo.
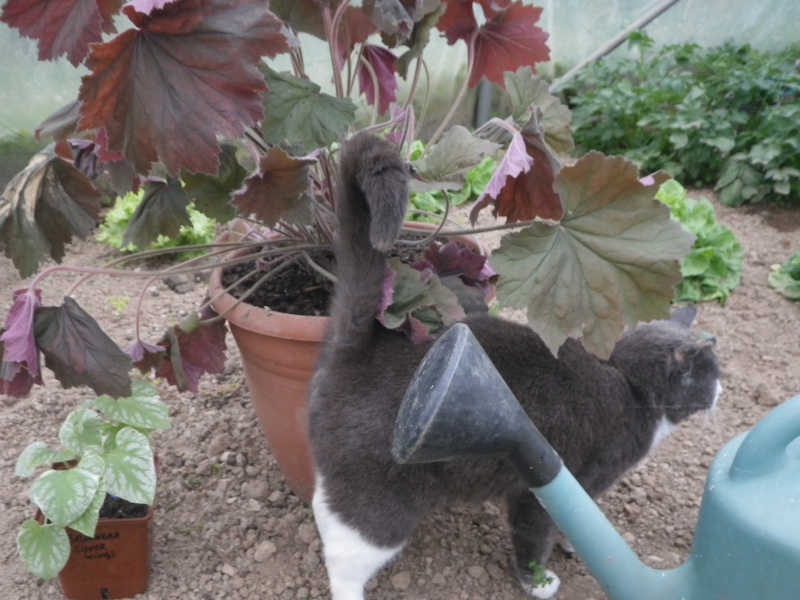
(683, 356)
(685, 316)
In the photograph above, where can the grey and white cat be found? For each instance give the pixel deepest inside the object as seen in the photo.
(601, 416)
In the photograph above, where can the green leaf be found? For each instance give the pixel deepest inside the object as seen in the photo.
(130, 472)
(679, 140)
(697, 262)
(296, 110)
(714, 265)
(612, 260)
(447, 162)
(117, 218)
(420, 304)
(80, 430)
(44, 549)
(785, 278)
(162, 211)
(36, 455)
(63, 495)
(420, 36)
(143, 409)
(526, 90)
(212, 194)
(723, 144)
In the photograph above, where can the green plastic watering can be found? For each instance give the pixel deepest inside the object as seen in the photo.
(747, 540)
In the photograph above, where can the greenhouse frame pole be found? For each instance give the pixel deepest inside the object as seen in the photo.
(614, 42)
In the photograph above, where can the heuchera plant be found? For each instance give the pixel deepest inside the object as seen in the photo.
(188, 104)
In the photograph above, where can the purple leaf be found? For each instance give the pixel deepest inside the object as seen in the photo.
(388, 291)
(18, 340)
(509, 38)
(145, 83)
(193, 348)
(44, 205)
(148, 6)
(19, 357)
(59, 124)
(61, 27)
(515, 161)
(530, 194)
(79, 352)
(451, 259)
(84, 157)
(382, 62)
(278, 189)
(145, 357)
(16, 379)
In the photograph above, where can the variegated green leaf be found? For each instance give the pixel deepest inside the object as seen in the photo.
(87, 522)
(80, 430)
(37, 455)
(44, 549)
(63, 495)
(142, 409)
(130, 472)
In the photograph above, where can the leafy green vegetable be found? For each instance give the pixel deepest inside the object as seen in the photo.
(786, 277)
(727, 117)
(433, 201)
(713, 267)
(112, 230)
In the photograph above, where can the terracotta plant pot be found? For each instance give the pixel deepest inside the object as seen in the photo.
(279, 352)
(113, 564)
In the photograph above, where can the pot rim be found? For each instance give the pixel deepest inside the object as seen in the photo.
(263, 320)
(278, 324)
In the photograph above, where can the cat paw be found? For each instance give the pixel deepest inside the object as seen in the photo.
(546, 588)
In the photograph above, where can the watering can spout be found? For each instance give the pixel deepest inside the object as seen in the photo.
(458, 405)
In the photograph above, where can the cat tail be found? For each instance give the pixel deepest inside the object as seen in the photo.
(371, 203)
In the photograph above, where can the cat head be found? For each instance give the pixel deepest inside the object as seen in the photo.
(671, 364)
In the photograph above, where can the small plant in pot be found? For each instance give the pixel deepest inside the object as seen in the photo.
(94, 500)
(190, 105)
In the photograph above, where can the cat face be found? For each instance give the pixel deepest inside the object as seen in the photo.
(668, 362)
(693, 379)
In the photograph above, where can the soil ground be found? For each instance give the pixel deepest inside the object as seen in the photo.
(228, 527)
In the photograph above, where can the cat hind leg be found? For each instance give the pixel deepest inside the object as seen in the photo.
(350, 559)
(534, 535)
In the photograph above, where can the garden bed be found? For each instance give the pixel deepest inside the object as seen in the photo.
(228, 527)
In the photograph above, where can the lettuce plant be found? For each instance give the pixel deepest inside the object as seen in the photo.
(106, 450)
(786, 277)
(713, 267)
(114, 228)
(188, 103)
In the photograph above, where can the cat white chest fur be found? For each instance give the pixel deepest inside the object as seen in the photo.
(665, 427)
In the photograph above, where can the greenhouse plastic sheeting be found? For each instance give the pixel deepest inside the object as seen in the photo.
(31, 90)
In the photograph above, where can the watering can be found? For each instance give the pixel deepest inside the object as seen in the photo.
(747, 539)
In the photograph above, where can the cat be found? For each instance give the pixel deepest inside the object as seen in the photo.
(602, 417)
